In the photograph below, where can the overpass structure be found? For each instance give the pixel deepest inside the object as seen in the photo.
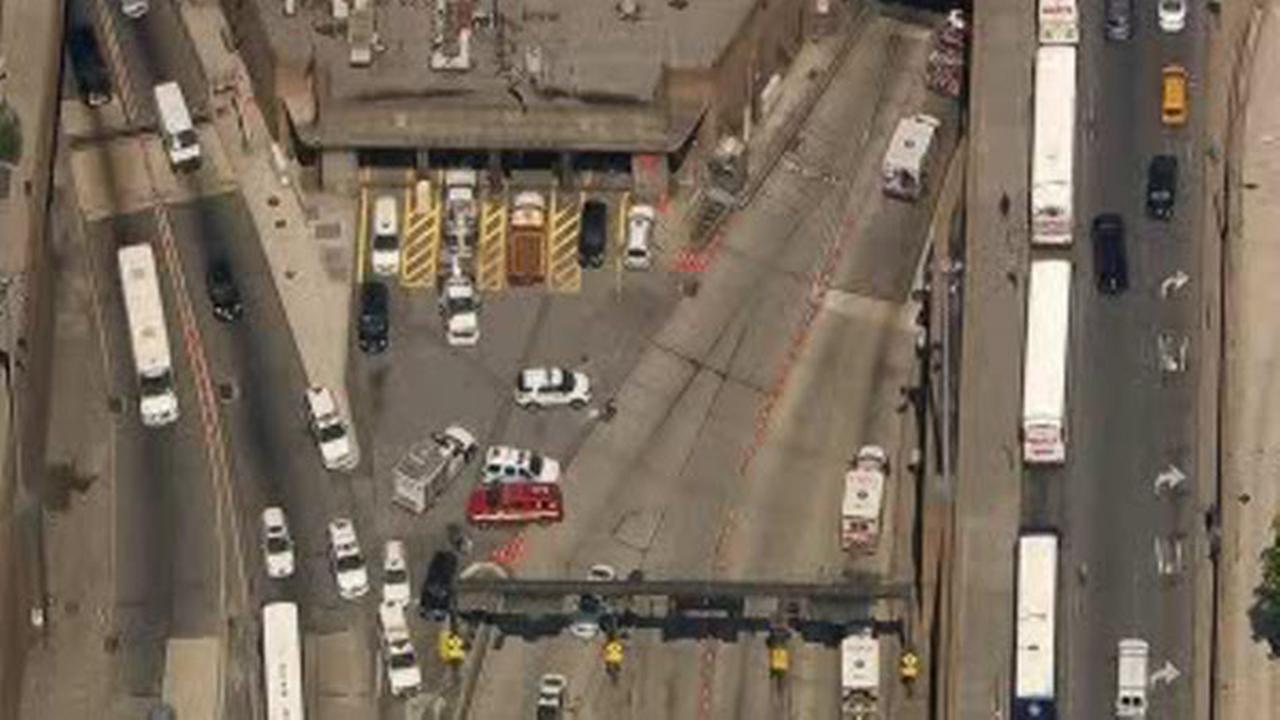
(681, 609)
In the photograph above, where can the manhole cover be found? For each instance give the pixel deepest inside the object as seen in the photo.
(226, 391)
(281, 223)
(111, 643)
(273, 201)
(114, 405)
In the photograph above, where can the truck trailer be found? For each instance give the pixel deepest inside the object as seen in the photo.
(148, 337)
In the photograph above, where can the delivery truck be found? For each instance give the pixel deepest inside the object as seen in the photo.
(527, 238)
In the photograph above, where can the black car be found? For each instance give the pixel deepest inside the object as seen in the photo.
(437, 587)
(1119, 19)
(374, 326)
(224, 293)
(1109, 257)
(593, 240)
(1162, 186)
(88, 66)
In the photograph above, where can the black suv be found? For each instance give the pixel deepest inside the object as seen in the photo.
(375, 320)
(593, 241)
(88, 66)
(437, 586)
(224, 293)
(1109, 257)
(1162, 186)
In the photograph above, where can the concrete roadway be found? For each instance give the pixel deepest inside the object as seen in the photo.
(1128, 420)
(156, 49)
(662, 488)
(168, 544)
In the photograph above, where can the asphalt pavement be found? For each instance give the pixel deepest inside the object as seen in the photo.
(733, 429)
(1129, 420)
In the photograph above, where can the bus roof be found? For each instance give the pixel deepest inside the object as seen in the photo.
(282, 661)
(1035, 632)
(1048, 319)
(140, 285)
(1055, 117)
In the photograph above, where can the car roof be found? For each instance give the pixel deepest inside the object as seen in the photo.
(321, 400)
(542, 375)
(342, 529)
(394, 550)
(273, 515)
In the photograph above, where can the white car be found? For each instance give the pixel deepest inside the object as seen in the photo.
(1173, 15)
(337, 450)
(348, 563)
(403, 674)
(460, 307)
(551, 692)
(385, 254)
(586, 622)
(395, 574)
(506, 464)
(640, 221)
(549, 386)
(277, 545)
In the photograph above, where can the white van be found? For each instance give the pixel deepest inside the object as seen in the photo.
(386, 237)
(639, 230)
(1131, 679)
(134, 8)
(180, 139)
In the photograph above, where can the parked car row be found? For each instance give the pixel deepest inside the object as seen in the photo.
(351, 577)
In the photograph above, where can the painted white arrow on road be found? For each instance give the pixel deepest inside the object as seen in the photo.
(1169, 479)
(1166, 674)
(1173, 283)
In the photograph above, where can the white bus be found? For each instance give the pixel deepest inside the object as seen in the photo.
(282, 661)
(1053, 146)
(148, 337)
(180, 139)
(1044, 363)
(1035, 632)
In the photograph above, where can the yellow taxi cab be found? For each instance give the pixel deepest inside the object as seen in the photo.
(1173, 95)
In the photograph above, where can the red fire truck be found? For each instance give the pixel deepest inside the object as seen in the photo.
(514, 503)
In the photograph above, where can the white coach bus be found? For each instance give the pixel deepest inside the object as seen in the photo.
(282, 661)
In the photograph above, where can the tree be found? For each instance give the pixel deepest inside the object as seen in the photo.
(1265, 614)
(10, 134)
